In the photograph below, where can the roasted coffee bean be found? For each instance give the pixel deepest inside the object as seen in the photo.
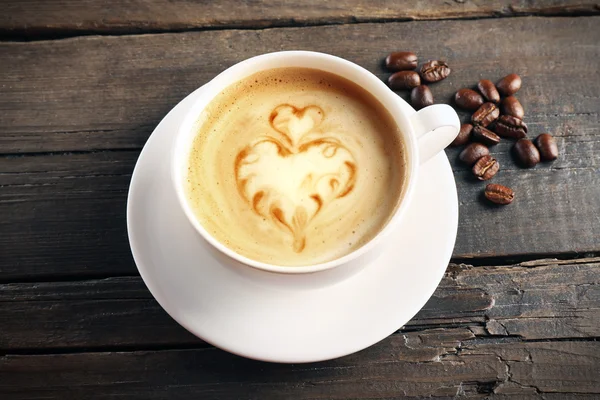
(488, 90)
(463, 135)
(509, 85)
(511, 106)
(485, 115)
(485, 136)
(485, 168)
(403, 80)
(421, 97)
(434, 71)
(511, 127)
(401, 61)
(547, 147)
(468, 99)
(499, 194)
(526, 152)
(472, 153)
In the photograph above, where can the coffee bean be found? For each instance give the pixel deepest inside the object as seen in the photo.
(488, 90)
(421, 97)
(468, 99)
(485, 115)
(511, 106)
(547, 147)
(485, 136)
(401, 61)
(509, 85)
(485, 168)
(472, 153)
(499, 194)
(511, 127)
(434, 71)
(404, 80)
(463, 135)
(527, 154)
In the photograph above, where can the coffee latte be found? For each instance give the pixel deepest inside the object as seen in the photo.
(295, 166)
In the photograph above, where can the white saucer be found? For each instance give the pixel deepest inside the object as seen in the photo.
(284, 318)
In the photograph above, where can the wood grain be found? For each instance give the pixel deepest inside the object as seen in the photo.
(64, 215)
(549, 300)
(98, 93)
(64, 211)
(33, 19)
(75, 113)
(435, 363)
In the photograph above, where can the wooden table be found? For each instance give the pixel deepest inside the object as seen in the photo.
(82, 86)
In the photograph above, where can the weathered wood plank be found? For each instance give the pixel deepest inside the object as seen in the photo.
(87, 314)
(35, 18)
(548, 301)
(433, 363)
(109, 92)
(106, 92)
(64, 214)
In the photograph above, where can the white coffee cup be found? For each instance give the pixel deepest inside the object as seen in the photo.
(425, 133)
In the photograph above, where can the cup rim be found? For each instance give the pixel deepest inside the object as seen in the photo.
(235, 73)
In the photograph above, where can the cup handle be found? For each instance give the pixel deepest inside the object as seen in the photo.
(436, 127)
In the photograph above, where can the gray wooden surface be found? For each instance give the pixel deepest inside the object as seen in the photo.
(82, 86)
(77, 111)
(518, 330)
(59, 18)
(531, 301)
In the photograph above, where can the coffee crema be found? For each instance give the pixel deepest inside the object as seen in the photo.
(295, 166)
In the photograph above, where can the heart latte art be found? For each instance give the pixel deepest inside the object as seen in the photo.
(294, 167)
(317, 169)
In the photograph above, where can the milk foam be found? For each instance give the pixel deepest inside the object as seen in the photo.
(295, 166)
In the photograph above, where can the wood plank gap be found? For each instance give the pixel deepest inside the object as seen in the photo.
(544, 258)
(102, 349)
(476, 340)
(57, 33)
(67, 153)
(526, 260)
(53, 278)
